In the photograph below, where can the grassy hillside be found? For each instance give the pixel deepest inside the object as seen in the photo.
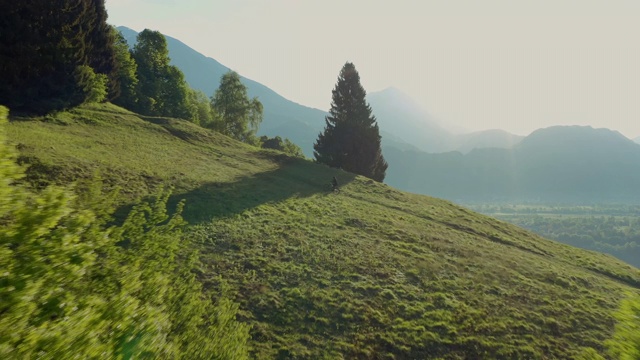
(370, 272)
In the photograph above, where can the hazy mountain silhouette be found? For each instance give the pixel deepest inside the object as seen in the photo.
(494, 138)
(399, 115)
(573, 164)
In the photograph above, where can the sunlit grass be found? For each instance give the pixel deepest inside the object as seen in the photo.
(370, 272)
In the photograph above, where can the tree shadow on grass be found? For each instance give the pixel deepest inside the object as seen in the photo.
(294, 178)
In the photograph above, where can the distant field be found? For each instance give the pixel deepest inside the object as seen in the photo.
(612, 229)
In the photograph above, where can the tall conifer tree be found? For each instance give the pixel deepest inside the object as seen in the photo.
(100, 40)
(43, 44)
(351, 138)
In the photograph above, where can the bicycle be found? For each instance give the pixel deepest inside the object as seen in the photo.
(333, 188)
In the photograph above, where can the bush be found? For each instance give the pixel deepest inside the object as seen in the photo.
(92, 85)
(625, 343)
(283, 145)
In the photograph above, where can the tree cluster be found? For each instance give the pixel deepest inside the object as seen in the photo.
(59, 54)
(150, 85)
(54, 53)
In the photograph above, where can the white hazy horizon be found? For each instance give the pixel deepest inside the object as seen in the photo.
(495, 64)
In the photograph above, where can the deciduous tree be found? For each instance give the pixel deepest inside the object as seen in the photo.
(203, 113)
(240, 116)
(162, 89)
(126, 70)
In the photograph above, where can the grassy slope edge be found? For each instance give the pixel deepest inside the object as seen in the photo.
(370, 272)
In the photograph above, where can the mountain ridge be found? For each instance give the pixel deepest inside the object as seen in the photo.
(562, 163)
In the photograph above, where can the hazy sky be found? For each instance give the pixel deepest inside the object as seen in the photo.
(514, 65)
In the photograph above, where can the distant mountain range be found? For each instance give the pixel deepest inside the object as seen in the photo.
(571, 164)
(399, 115)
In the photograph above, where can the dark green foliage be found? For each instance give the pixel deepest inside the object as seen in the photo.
(71, 286)
(126, 70)
(100, 45)
(41, 47)
(351, 139)
(162, 90)
(240, 116)
(283, 145)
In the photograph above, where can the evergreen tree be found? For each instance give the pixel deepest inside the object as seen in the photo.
(100, 41)
(41, 47)
(240, 116)
(351, 138)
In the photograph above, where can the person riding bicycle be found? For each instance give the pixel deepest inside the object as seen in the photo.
(334, 184)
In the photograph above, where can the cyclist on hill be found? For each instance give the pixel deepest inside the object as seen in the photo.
(334, 184)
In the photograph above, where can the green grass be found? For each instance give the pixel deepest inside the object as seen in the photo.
(131, 152)
(370, 272)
